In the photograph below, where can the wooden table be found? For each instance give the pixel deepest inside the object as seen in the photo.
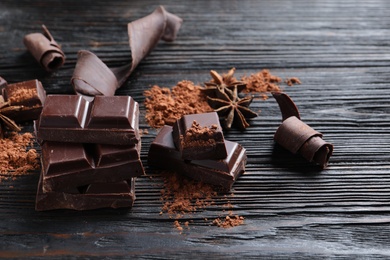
(340, 50)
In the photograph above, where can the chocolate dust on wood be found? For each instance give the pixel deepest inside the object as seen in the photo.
(16, 155)
(182, 196)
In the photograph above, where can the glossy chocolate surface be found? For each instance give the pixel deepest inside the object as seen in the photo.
(105, 120)
(69, 165)
(93, 196)
(204, 142)
(222, 173)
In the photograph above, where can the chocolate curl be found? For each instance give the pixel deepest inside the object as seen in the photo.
(3, 83)
(45, 49)
(298, 137)
(92, 77)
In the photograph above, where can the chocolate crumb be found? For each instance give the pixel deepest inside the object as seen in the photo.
(292, 81)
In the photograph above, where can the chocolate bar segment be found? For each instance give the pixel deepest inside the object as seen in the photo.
(298, 137)
(69, 165)
(221, 173)
(45, 49)
(199, 136)
(105, 120)
(99, 195)
(30, 95)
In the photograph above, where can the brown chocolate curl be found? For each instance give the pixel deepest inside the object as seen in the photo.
(92, 77)
(298, 137)
(45, 49)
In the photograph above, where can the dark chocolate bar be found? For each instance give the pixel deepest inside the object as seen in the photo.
(298, 137)
(199, 136)
(69, 165)
(105, 120)
(29, 96)
(222, 173)
(99, 195)
(45, 49)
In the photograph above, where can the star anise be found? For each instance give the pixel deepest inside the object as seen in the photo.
(232, 109)
(5, 121)
(227, 81)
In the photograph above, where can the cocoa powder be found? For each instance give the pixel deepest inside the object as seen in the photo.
(16, 155)
(182, 196)
(165, 106)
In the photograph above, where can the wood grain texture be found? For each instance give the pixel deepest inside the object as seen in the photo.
(340, 52)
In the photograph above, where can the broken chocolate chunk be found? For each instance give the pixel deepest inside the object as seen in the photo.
(69, 165)
(199, 136)
(221, 173)
(299, 138)
(94, 196)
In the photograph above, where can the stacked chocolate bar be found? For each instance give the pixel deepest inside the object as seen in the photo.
(90, 152)
(195, 146)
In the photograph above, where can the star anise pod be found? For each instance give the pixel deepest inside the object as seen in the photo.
(5, 121)
(227, 81)
(232, 109)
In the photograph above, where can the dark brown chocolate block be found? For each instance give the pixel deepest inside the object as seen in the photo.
(222, 173)
(105, 120)
(69, 165)
(30, 95)
(99, 195)
(199, 136)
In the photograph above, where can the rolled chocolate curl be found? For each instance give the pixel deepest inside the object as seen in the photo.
(93, 77)
(45, 49)
(299, 138)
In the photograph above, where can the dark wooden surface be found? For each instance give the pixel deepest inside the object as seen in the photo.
(341, 52)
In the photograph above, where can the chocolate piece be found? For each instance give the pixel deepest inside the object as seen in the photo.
(69, 165)
(105, 120)
(92, 77)
(222, 173)
(99, 195)
(298, 137)
(199, 136)
(29, 95)
(45, 49)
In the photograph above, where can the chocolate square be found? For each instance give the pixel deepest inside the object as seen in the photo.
(199, 136)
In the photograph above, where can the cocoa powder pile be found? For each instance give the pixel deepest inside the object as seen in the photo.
(16, 155)
(165, 106)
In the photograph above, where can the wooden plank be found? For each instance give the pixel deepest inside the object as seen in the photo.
(341, 53)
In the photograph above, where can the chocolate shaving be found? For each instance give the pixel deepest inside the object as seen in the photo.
(45, 49)
(92, 77)
(298, 137)
(3, 83)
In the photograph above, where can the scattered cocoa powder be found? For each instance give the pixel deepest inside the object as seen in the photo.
(292, 81)
(229, 221)
(16, 155)
(182, 196)
(165, 106)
